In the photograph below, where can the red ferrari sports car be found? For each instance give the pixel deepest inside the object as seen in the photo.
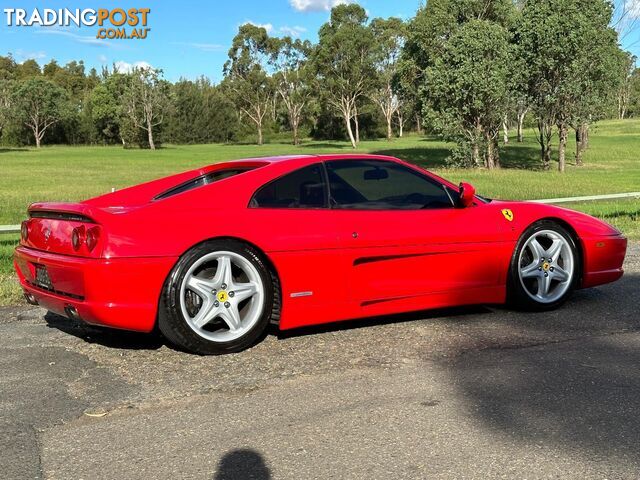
(212, 256)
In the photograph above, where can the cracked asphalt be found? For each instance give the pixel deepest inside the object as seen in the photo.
(466, 393)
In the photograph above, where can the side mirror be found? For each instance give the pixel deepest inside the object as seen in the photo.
(467, 195)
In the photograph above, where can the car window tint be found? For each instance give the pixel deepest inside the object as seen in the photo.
(381, 185)
(304, 188)
(202, 180)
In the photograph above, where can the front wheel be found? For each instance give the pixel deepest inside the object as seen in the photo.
(218, 298)
(544, 268)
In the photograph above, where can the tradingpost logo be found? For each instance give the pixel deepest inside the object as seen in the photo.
(115, 23)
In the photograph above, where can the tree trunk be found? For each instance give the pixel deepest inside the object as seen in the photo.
(579, 146)
(260, 141)
(293, 121)
(505, 130)
(582, 133)
(355, 121)
(400, 124)
(547, 157)
(296, 140)
(418, 124)
(389, 131)
(521, 116)
(562, 147)
(622, 103)
(544, 139)
(475, 154)
(492, 159)
(37, 140)
(489, 157)
(347, 120)
(152, 145)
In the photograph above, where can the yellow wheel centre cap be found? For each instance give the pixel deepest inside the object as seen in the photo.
(223, 296)
(545, 266)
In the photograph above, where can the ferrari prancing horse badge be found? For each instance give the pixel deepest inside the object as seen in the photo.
(508, 214)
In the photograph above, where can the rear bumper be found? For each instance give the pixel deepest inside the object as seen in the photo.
(120, 293)
(603, 259)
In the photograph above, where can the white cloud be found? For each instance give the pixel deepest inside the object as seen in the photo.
(317, 5)
(633, 8)
(205, 47)
(125, 67)
(267, 26)
(292, 31)
(102, 58)
(22, 55)
(87, 39)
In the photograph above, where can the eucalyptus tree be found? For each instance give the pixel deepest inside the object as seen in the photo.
(343, 62)
(598, 88)
(292, 78)
(469, 87)
(247, 77)
(445, 50)
(564, 44)
(6, 87)
(200, 113)
(407, 83)
(145, 100)
(389, 36)
(628, 68)
(107, 109)
(39, 104)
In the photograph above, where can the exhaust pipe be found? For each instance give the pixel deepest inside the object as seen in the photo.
(31, 300)
(72, 313)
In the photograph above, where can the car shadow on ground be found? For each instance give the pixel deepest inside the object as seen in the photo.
(576, 389)
(127, 340)
(455, 312)
(108, 337)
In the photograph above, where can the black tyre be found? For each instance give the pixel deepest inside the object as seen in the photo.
(219, 298)
(545, 267)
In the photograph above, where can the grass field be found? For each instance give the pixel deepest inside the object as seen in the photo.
(75, 173)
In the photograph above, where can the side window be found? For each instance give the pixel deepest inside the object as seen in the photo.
(304, 188)
(381, 185)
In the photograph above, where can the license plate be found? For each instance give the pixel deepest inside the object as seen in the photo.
(42, 277)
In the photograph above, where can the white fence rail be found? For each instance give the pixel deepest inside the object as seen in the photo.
(612, 196)
(9, 228)
(589, 198)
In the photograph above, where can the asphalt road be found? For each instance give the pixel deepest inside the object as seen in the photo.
(468, 393)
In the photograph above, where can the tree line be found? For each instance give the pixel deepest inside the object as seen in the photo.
(468, 70)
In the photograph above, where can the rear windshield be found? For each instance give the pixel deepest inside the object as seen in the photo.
(202, 180)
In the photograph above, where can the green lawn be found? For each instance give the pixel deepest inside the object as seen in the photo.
(75, 173)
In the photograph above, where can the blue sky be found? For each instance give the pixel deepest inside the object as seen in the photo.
(187, 38)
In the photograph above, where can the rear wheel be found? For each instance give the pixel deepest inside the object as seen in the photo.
(218, 298)
(544, 267)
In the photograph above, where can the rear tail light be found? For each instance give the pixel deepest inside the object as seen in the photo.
(77, 237)
(24, 230)
(92, 237)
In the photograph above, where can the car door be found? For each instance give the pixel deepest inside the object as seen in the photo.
(402, 236)
(302, 241)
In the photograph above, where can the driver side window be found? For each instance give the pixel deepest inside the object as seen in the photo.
(382, 185)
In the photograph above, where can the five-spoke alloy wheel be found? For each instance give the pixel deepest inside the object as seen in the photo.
(544, 267)
(219, 298)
